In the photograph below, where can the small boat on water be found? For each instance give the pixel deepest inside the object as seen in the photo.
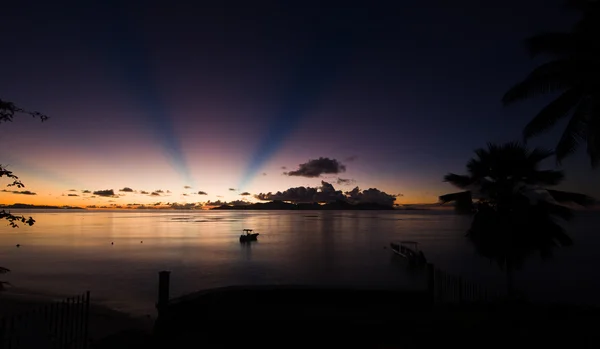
(410, 251)
(248, 235)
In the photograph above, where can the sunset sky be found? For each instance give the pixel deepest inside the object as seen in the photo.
(175, 99)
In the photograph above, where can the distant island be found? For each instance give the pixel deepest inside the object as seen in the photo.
(45, 207)
(281, 205)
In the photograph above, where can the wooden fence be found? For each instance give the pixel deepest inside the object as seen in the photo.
(448, 288)
(59, 325)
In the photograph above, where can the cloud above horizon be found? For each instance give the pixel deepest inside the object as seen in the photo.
(344, 181)
(126, 190)
(72, 195)
(327, 193)
(317, 167)
(245, 193)
(202, 193)
(20, 192)
(105, 193)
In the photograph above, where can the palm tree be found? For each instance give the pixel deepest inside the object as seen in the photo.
(515, 212)
(574, 72)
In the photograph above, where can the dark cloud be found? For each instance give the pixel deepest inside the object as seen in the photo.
(219, 196)
(399, 195)
(86, 191)
(220, 203)
(72, 195)
(105, 193)
(168, 192)
(91, 206)
(72, 190)
(371, 195)
(184, 194)
(127, 190)
(21, 192)
(159, 191)
(144, 192)
(327, 193)
(202, 193)
(344, 181)
(187, 187)
(155, 193)
(264, 173)
(157, 203)
(245, 193)
(283, 167)
(317, 167)
(232, 189)
(351, 158)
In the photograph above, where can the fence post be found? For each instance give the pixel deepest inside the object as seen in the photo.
(431, 281)
(460, 289)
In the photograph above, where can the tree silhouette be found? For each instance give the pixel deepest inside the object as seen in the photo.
(575, 73)
(516, 215)
(7, 113)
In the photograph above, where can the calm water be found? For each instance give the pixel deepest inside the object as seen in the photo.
(67, 252)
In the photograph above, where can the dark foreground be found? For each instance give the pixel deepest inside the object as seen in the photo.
(292, 317)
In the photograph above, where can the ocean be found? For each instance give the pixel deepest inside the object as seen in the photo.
(117, 254)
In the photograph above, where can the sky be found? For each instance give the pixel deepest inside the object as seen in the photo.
(199, 103)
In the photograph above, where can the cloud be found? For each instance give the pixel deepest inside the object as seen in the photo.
(283, 168)
(399, 195)
(159, 191)
(202, 193)
(232, 189)
(144, 192)
(344, 181)
(371, 195)
(187, 187)
(316, 167)
(155, 193)
(351, 158)
(184, 194)
(21, 192)
(72, 190)
(105, 193)
(91, 206)
(221, 203)
(245, 193)
(219, 196)
(127, 190)
(72, 195)
(86, 191)
(327, 193)
(264, 173)
(168, 192)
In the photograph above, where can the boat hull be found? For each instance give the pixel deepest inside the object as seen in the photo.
(249, 237)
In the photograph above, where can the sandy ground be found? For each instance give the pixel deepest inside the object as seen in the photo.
(103, 322)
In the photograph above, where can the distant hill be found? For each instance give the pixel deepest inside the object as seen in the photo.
(45, 207)
(280, 205)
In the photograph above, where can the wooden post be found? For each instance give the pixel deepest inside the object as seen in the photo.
(163, 291)
(431, 281)
(460, 289)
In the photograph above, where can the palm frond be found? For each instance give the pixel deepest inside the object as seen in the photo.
(538, 154)
(550, 114)
(4, 270)
(546, 177)
(575, 132)
(559, 44)
(462, 196)
(565, 196)
(459, 181)
(550, 209)
(553, 76)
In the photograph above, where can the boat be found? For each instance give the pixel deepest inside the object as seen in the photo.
(410, 251)
(248, 235)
